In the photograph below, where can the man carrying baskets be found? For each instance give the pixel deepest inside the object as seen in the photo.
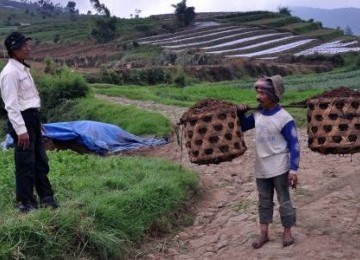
(277, 156)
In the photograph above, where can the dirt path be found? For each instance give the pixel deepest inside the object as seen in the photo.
(327, 202)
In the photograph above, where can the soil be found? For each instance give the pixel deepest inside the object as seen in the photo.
(206, 106)
(226, 220)
(339, 92)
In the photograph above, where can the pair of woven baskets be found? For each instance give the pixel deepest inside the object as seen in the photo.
(334, 124)
(212, 132)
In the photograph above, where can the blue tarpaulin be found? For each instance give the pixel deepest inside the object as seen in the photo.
(98, 137)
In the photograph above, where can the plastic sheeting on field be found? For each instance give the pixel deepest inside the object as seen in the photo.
(98, 137)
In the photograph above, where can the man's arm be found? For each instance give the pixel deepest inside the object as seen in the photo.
(9, 87)
(290, 134)
(247, 122)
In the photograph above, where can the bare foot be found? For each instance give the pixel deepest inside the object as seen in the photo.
(288, 239)
(262, 240)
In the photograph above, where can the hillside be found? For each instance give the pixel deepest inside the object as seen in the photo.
(215, 39)
(256, 35)
(248, 41)
(334, 18)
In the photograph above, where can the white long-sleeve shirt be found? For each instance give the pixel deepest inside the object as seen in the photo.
(18, 92)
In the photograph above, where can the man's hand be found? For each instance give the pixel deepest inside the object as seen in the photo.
(43, 130)
(24, 141)
(293, 179)
(242, 108)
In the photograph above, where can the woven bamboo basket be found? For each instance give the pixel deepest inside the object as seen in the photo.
(213, 135)
(334, 125)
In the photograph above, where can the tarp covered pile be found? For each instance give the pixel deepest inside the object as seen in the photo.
(98, 137)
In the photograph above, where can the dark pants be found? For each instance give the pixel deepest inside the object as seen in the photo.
(266, 189)
(31, 165)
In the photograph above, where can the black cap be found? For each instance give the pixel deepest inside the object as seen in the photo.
(15, 40)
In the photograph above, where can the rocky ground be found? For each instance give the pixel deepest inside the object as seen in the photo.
(327, 201)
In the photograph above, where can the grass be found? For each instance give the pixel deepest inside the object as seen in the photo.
(232, 92)
(298, 88)
(107, 207)
(130, 118)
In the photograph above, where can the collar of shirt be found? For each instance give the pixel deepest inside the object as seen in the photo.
(17, 64)
(270, 112)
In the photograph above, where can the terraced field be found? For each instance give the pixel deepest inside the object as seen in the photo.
(236, 41)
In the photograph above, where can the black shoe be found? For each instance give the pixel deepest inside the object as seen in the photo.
(49, 202)
(26, 207)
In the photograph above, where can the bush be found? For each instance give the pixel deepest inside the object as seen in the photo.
(109, 76)
(180, 78)
(57, 38)
(142, 28)
(56, 89)
(357, 62)
(63, 111)
(156, 75)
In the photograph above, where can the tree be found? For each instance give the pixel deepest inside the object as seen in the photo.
(137, 13)
(184, 15)
(284, 10)
(348, 30)
(104, 29)
(100, 8)
(46, 5)
(71, 7)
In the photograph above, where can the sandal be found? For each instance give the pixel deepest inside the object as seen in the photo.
(262, 240)
(288, 242)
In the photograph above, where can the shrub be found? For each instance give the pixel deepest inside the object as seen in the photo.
(142, 28)
(109, 76)
(55, 89)
(56, 38)
(63, 111)
(156, 75)
(357, 62)
(180, 78)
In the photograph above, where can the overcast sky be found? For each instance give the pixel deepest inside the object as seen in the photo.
(123, 8)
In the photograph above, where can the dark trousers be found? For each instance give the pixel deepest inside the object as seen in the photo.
(266, 188)
(31, 164)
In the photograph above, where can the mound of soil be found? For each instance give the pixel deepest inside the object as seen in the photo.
(206, 106)
(338, 92)
(333, 93)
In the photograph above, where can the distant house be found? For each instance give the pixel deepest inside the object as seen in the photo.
(25, 24)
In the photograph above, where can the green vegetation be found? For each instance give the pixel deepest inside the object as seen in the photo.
(130, 118)
(65, 28)
(65, 97)
(299, 88)
(58, 87)
(108, 205)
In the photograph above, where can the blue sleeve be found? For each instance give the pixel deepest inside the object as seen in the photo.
(290, 133)
(247, 122)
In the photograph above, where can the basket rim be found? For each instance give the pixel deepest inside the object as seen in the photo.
(207, 113)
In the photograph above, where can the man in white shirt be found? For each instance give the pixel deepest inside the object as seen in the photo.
(22, 104)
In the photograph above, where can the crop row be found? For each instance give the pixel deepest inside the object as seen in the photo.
(247, 41)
